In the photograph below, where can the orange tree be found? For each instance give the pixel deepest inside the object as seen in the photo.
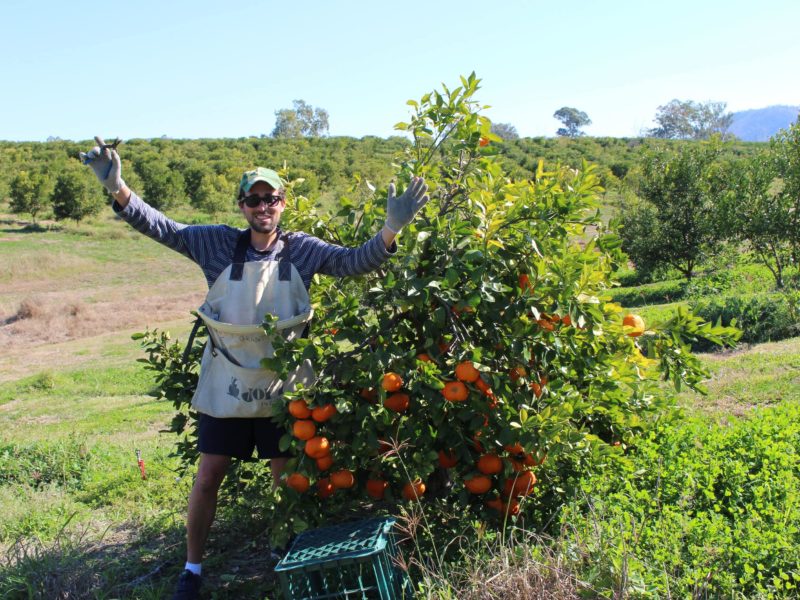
(483, 367)
(483, 364)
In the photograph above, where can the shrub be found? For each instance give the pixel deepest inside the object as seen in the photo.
(702, 511)
(761, 317)
(661, 292)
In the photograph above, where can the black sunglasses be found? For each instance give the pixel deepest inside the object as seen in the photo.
(253, 201)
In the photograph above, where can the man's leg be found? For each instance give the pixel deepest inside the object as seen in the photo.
(203, 503)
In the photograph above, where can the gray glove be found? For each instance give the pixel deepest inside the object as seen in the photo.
(105, 163)
(400, 211)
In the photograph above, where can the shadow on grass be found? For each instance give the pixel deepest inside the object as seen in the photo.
(18, 226)
(143, 562)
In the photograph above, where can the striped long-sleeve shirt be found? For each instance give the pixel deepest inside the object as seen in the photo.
(212, 246)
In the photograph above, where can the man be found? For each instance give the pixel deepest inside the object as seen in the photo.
(250, 272)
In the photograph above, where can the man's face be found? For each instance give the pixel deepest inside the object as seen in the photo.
(262, 218)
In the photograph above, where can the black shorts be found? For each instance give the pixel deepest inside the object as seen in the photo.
(238, 437)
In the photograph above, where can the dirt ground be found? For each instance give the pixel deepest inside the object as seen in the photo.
(66, 328)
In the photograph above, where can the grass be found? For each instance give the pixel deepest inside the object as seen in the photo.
(759, 376)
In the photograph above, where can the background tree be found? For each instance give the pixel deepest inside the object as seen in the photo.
(573, 119)
(784, 151)
(162, 186)
(28, 193)
(678, 223)
(215, 194)
(75, 196)
(757, 211)
(301, 121)
(688, 120)
(505, 131)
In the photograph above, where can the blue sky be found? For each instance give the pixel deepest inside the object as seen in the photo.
(204, 69)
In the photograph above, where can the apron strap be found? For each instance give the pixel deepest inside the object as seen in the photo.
(239, 255)
(192, 335)
(284, 264)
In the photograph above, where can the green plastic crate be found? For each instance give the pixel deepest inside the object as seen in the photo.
(349, 561)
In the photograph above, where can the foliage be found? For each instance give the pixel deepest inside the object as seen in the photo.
(214, 194)
(176, 374)
(689, 120)
(75, 195)
(677, 223)
(37, 465)
(757, 210)
(659, 292)
(702, 510)
(28, 192)
(163, 187)
(761, 317)
(784, 152)
(573, 119)
(303, 120)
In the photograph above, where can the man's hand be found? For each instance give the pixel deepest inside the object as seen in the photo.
(400, 211)
(106, 164)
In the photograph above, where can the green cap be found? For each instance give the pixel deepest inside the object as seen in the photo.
(259, 174)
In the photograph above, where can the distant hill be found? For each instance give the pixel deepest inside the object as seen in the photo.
(760, 124)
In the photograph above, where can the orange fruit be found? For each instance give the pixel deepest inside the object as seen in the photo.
(343, 479)
(518, 372)
(298, 482)
(304, 429)
(455, 391)
(520, 485)
(370, 395)
(517, 465)
(635, 323)
(424, 357)
(480, 484)
(537, 389)
(535, 459)
(413, 489)
(447, 459)
(525, 282)
(317, 447)
(483, 386)
(483, 142)
(566, 321)
(392, 382)
(546, 324)
(512, 507)
(515, 448)
(496, 504)
(397, 402)
(376, 488)
(444, 346)
(322, 413)
(325, 487)
(466, 371)
(489, 464)
(299, 409)
(325, 462)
